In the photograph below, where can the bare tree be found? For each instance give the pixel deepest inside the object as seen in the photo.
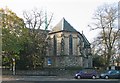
(106, 21)
(35, 21)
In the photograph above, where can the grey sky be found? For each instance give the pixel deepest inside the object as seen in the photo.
(78, 13)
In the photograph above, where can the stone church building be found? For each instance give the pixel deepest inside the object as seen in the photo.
(66, 47)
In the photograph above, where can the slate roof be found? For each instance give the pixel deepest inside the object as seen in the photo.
(86, 42)
(63, 25)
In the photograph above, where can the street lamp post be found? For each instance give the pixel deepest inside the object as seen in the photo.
(13, 66)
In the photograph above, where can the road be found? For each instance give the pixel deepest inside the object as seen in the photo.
(54, 79)
(62, 81)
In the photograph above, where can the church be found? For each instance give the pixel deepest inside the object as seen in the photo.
(66, 47)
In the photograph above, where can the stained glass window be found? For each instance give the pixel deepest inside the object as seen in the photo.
(62, 46)
(54, 45)
(70, 45)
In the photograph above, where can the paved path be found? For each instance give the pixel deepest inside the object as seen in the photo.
(36, 78)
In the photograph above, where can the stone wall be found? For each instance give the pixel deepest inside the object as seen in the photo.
(64, 61)
(43, 72)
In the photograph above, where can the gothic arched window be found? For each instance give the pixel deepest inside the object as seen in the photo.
(70, 45)
(54, 45)
(62, 46)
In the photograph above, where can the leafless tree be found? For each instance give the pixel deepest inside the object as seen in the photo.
(35, 21)
(106, 21)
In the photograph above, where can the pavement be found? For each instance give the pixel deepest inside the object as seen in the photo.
(35, 78)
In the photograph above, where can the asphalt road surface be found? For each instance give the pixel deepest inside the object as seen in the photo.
(62, 81)
(54, 79)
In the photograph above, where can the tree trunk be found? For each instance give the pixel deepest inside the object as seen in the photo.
(108, 57)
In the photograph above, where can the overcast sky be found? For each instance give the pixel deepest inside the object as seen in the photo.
(78, 13)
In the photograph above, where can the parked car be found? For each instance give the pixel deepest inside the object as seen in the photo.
(110, 74)
(86, 73)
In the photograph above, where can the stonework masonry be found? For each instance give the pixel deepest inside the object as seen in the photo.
(66, 47)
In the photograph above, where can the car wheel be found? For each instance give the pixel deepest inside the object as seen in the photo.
(106, 77)
(78, 77)
(93, 77)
